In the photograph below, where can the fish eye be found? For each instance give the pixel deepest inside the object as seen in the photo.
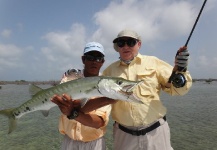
(119, 82)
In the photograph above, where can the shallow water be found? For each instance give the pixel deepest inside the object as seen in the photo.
(192, 120)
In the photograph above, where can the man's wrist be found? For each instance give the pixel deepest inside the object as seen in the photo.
(74, 114)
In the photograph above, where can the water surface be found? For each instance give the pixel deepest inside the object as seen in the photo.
(192, 119)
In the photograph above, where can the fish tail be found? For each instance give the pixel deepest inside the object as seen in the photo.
(11, 118)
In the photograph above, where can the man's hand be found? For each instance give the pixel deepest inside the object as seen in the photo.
(181, 60)
(65, 103)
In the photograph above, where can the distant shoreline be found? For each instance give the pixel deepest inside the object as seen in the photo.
(54, 82)
(23, 82)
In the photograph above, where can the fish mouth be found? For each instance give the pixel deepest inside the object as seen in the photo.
(128, 89)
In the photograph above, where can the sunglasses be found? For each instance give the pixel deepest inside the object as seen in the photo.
(130, 42)
(93, 58)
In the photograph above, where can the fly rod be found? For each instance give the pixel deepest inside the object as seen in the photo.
(178, 80)
(186, 44)
(192, 30)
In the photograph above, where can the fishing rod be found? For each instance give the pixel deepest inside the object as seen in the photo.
(178, 80)
(186, 44)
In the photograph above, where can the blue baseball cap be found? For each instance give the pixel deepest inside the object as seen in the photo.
(94, 46)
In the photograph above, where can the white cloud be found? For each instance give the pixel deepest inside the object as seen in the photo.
(6, 33)
(167, 20)
(203, 61)
(158, 22)
(10, 56)
(210, 63)
(9, 51)
(20, 26)
(64, 49)
(64, 44)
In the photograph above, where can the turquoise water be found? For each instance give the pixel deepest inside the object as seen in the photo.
(192, 120)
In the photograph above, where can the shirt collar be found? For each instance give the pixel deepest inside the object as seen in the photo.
(137, 59)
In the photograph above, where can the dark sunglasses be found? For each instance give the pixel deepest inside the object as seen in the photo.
(130, 42)
(93, 58)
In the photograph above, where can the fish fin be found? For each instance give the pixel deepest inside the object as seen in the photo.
(84, 101)
(11, 119)
(45, 112)
(33, 89)
(12, 124)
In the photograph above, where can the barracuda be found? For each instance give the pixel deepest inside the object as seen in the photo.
(82, 88)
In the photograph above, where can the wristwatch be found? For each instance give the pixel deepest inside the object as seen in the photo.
(74, 114)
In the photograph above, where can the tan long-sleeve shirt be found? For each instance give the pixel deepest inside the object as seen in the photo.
(77, 131)
(155, 74)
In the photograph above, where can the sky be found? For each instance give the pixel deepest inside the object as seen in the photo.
(41, 39)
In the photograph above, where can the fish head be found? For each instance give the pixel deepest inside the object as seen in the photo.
(118, 88)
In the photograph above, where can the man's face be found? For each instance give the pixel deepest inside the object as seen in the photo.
(93, 61)
(128, 47)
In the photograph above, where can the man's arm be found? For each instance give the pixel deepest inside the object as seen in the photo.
(181, 61)
(91, 120)
(96, 103)
(67, 105)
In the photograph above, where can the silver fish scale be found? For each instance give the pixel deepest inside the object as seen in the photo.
(83, 89)
(41, 100)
